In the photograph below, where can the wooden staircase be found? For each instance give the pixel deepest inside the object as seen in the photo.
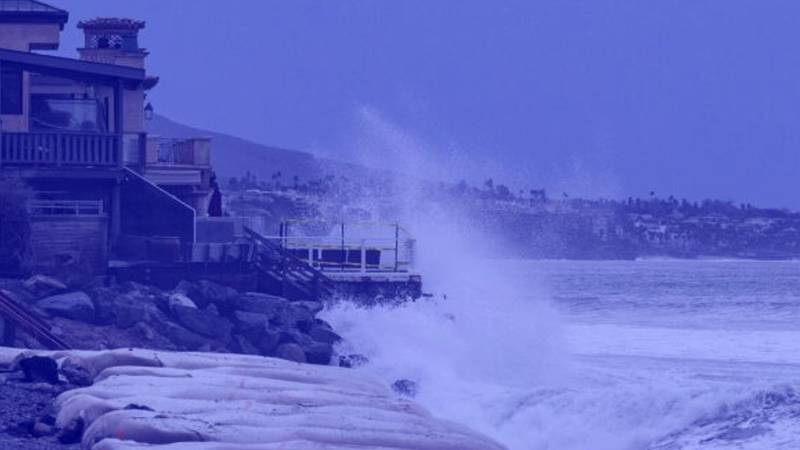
(28, 321)
(286, 275)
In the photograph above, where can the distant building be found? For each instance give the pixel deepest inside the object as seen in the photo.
(74, 129)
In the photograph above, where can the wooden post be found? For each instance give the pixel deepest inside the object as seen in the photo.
(363, 256)
(118, 121)
(396, 246)
(343, 256)
(116, 211)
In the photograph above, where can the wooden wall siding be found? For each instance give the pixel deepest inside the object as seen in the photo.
(79, 242)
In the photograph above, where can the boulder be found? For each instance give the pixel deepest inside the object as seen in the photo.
(42, 286)
(318, 353)
(268, 342)
(291, 352)
(324, 334)
(129, 310)
(211, 309)
(201, 322)
(257, 302)
(105, 312)
(252, 325)
(182, 337)
(405, 387)
(241, 344)
(204, 293)
(298, 315)
(352, 360)
(138, 289)
(74, 305)
(178, 299)
(76, 373)
(39, 369)
(41, 428)
(313, 307)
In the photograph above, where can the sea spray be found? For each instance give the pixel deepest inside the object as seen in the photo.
(489, 351)
(475, 347)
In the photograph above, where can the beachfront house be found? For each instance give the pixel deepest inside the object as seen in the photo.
(74, 130)
(110, 199)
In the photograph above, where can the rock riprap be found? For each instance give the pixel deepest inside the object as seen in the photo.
(194, 316)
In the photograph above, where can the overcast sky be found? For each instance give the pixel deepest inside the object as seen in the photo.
(693, 98)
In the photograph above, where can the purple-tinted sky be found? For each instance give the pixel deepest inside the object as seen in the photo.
(695, 98)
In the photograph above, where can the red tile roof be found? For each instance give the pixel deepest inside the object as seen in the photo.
(112, 22)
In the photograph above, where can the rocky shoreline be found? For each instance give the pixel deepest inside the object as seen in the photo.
(202, 316)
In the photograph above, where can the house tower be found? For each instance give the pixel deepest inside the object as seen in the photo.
(112, 40)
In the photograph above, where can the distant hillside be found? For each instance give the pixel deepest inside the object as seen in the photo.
(233, 156)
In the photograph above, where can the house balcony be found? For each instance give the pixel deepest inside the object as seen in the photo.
(168, 162)
(48, 154)
(178, 161)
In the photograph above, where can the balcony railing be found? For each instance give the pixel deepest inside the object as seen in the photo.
(162, 151)
(66, 207)
(59, 149)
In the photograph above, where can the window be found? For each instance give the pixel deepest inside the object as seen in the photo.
(11, 92)
(64, 113)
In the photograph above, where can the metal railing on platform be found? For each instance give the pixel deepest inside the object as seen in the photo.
(355, 247)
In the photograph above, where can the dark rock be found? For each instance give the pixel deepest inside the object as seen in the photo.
(252, 325)
(211, 309)
(268, 342)
(39, 369)
(260, 303)
(405, 387)
(204, 293)
(241, 344)
(292, 335)
(72, 432)
(43, 285)
(145, 331)
(41, 429)
(182, 337)
(313, 307)
(128, 310)
(203, 323)
(318, 353)
(178, 299)
(75, 306)
(105, 312)
(76, 373)
(323, 334)
(291, 352)
(138, 289)
(353, 360)
(298, 315)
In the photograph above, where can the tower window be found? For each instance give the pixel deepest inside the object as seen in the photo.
(112, 41)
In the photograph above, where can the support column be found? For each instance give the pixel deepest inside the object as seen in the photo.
(116, 212)
(118, 120)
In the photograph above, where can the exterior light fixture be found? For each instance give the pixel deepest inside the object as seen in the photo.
(148, 111)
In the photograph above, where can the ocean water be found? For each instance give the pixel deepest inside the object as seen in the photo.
(652, 354)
